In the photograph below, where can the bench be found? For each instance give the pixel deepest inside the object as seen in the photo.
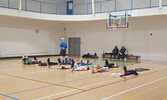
(129, 56)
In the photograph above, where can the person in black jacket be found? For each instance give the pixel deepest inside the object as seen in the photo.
(123, 53)
(115, 52)
(110, 65)
(129, 72)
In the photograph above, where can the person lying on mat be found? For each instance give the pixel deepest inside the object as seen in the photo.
(99, 69)
(66, 61)
(129, 72)
(110, 65)
(69, 66)
(80, 68)
(47, 63)
(27, 60)
(83, 61)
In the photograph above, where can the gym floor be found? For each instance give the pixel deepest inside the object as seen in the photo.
(32, 82)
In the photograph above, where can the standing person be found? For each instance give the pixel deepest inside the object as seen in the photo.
(115, 52)
(63, 47)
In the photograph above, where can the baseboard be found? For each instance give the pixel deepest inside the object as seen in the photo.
(30, 56)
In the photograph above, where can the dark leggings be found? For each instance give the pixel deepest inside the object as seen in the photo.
(108, 65)
(126, 72)
(125, 69)
(72, 64)
(115, 54)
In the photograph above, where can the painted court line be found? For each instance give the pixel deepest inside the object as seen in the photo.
(164, 98)
(51, 85)
(89, 86)
(61, 82)
(30, 89)
(145, 91)
(30, 73)
(41, 81)
(8, 96)
(55, 94)
(95, 88)
(75, 89)
(46, 86)
(134, 88)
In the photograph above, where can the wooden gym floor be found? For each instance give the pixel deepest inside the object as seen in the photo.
(32, 82)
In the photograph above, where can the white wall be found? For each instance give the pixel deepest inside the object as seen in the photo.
(18, 37)
(96, 38)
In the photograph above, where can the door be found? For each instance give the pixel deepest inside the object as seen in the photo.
(69, 7)
(74, 46)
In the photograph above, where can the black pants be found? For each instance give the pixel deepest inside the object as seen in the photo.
(115, 54)
(122, 56)
(63, 52)
(110, 65)
(127, 72)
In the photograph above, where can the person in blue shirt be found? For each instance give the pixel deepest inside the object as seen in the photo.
(63, 47)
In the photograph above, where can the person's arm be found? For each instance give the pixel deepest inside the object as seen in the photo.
(61, 44)
(65, 47)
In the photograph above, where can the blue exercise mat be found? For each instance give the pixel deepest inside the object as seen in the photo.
(84, 64)
(142, 69)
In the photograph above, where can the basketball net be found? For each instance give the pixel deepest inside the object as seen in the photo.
(114, 26)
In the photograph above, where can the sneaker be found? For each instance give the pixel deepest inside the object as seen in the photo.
(72, 69)
(121, 75)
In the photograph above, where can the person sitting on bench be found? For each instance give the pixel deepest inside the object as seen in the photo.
(115, 52)
(99, 69)
(123, 53)
(110, 65)
(129, 72)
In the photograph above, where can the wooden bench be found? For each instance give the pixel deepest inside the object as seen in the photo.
(133, 57)
(129, 56)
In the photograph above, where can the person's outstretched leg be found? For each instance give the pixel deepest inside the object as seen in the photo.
(59, 61)
(35, 58)
(72, 64)
(106, 62)
(48, 61)
(125, 69)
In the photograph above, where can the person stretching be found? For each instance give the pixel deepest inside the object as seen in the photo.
(99, 69)
(80, 68)
(110, 65)
(129, 72)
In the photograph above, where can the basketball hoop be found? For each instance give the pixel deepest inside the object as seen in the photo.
(114, 25)
(118, 20)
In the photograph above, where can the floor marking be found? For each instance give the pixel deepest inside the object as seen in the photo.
(30, 89)
(8, 96)
(77, 80)
(75, 89)
(55, 94)
(164, 98)
(51, 85)
(134, 88)
(150, 89)
(89, 89)
(41, 81)
(31, 73)
(60, 83)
